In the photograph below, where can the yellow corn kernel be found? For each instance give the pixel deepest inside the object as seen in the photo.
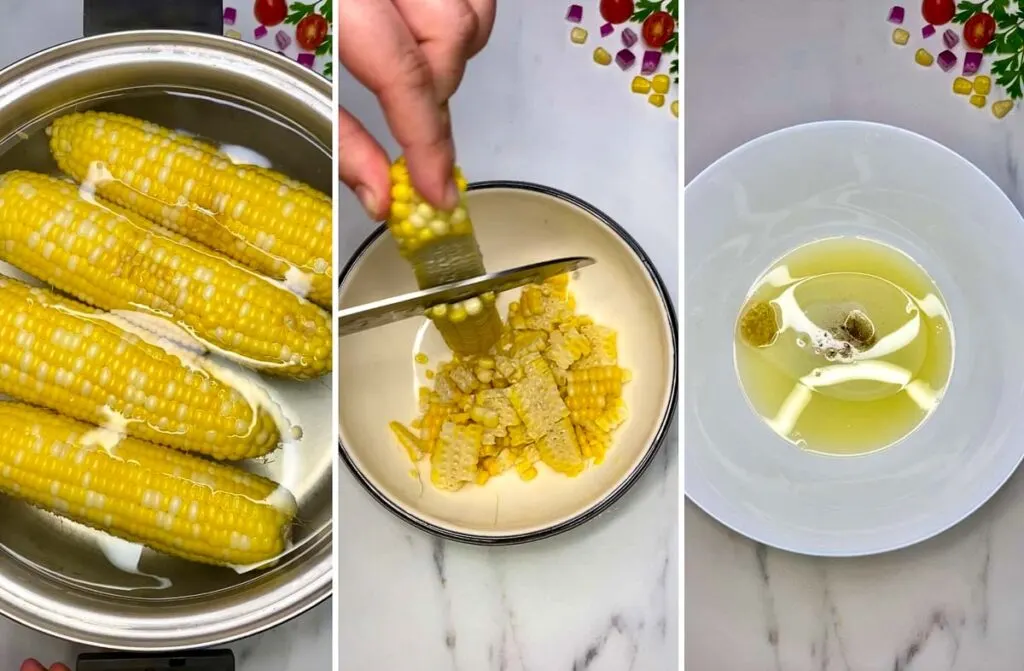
(1002, 108)
(675, 108)
(982, 85)
(408, 440)
(482, 476)
(114, 260)
(640, 85)
(923, 58)
(421, 358)
(661, 83)
(80, 362)
(578, 35)
(258, 217)
(602, 57)
(233, 34)
(962, 86)
(978, 101)
(528, 474)
(656, 99)
(900, 36)
(430, 427)
(454, 461)
(174, 503)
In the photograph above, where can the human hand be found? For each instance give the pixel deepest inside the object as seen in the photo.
(411, 54)
(33, 665)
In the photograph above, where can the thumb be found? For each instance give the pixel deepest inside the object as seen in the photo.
(32, 665)
(363, 166)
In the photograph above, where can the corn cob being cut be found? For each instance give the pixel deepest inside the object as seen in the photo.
(66, 356)
(549, 391)
(262, 219)
(441, 248)
(171, 502)
(115, 260)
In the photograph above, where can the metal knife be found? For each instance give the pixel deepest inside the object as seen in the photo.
(390, 310)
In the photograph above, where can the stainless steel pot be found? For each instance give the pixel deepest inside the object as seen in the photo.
(54, 576)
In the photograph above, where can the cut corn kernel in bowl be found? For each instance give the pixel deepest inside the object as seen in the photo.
(510, 496)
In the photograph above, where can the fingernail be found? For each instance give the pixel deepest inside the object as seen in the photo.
(451, 195)
(369, 203)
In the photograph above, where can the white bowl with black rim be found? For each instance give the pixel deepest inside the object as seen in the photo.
(516, 223)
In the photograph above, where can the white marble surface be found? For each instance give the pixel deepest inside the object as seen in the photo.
(953, 603)
(302, 644)
(603, 597)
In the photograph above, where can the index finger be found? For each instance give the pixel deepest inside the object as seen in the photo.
(379, 51)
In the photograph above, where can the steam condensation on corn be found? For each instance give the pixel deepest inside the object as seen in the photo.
(549, 391)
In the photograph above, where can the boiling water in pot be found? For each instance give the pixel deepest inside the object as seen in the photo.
(92, 560)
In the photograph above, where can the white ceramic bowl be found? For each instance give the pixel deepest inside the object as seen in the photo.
(516, 223)
(853, 178)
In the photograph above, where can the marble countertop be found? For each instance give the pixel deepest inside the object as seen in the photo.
(303, 643)
(603, 597)
(953, 602)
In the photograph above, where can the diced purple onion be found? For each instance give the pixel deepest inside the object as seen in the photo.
(950, 38)
(607, 29)
(260, 32)
(650, 63)
(230, 14)
(307, 59)
(575, 13)
(946, 60)
(628, 37)
(927, 31)
(282, 39)
(972, 63)
(625, 59)
(896, 15)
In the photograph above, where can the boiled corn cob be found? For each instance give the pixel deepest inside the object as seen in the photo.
(537, 400)
(112, 259)
(61, 354)
(559, 449)
(173, 503)
(262, 219)
(441, 248)
(454, 461)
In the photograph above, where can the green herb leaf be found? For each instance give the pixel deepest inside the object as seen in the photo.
(644, 8)
(325, 46)
(966, 10)
(298, 11)
(672, 44)
(329, 69)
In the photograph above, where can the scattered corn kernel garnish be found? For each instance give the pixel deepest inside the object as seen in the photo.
(640, 85)
(656, 99)
(962, 86)
(675, 108)
(978, 101)
(549, 391)
(1002, 108)
(660, 83)
(982, 85)
(924, 58)
(578, 36)
(900, 36)
(602, 56)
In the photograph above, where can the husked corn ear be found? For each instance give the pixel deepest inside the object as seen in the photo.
(115, 260)
(559, 449)
(469, 327)
(63, 355)
(262, 219)
(441, 248)
(173, 503)
(454, 461)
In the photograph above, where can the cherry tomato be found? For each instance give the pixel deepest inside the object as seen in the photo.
(616, 11)
(658, 27)
(311, 31)
(270, 12)
(938, 12)
(978, 30)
